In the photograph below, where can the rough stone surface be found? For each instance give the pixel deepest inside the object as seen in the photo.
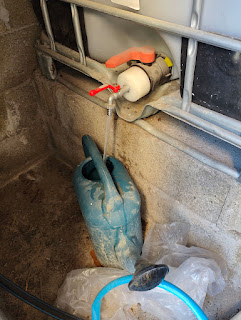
(223, 306)
(159, 207)
(21, 110)
(18, 60)
(20, 13)
(23, 138)
(229, 218)
(184, 179)
(4, 18)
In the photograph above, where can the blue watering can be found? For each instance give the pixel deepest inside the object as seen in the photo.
(110, 204)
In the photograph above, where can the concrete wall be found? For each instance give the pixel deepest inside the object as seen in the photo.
(23, 139)
(173, 186)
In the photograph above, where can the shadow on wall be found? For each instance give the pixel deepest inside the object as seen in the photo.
(61, 22)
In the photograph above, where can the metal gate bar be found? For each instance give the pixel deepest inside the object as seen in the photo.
(47, 23)
(191, 57)
(78, 35)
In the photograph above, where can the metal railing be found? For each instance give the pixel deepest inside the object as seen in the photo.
(214, 123)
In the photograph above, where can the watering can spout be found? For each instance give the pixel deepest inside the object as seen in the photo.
(112, 200)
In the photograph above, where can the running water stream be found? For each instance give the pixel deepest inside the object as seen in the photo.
(107, 133)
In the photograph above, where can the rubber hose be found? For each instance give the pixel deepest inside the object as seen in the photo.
(34, 301)
(164, 285)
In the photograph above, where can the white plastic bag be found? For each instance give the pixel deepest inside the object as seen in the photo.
(191, 269)
(167, 244)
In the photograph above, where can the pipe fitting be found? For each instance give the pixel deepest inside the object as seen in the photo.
(158, 72)
(116, 95)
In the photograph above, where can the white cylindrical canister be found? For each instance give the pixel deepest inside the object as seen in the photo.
(138, 82)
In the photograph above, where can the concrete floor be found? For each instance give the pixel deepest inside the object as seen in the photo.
(43, 233)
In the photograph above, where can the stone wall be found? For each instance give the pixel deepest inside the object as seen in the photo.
(23, 139)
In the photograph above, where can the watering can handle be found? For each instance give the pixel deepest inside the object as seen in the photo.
(91, 150)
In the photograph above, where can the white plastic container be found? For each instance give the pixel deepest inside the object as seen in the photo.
(108, 35)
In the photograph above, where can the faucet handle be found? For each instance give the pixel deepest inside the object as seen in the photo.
(146, 54)
(104, 87)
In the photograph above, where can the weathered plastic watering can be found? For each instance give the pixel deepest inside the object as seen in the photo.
(110, 204)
